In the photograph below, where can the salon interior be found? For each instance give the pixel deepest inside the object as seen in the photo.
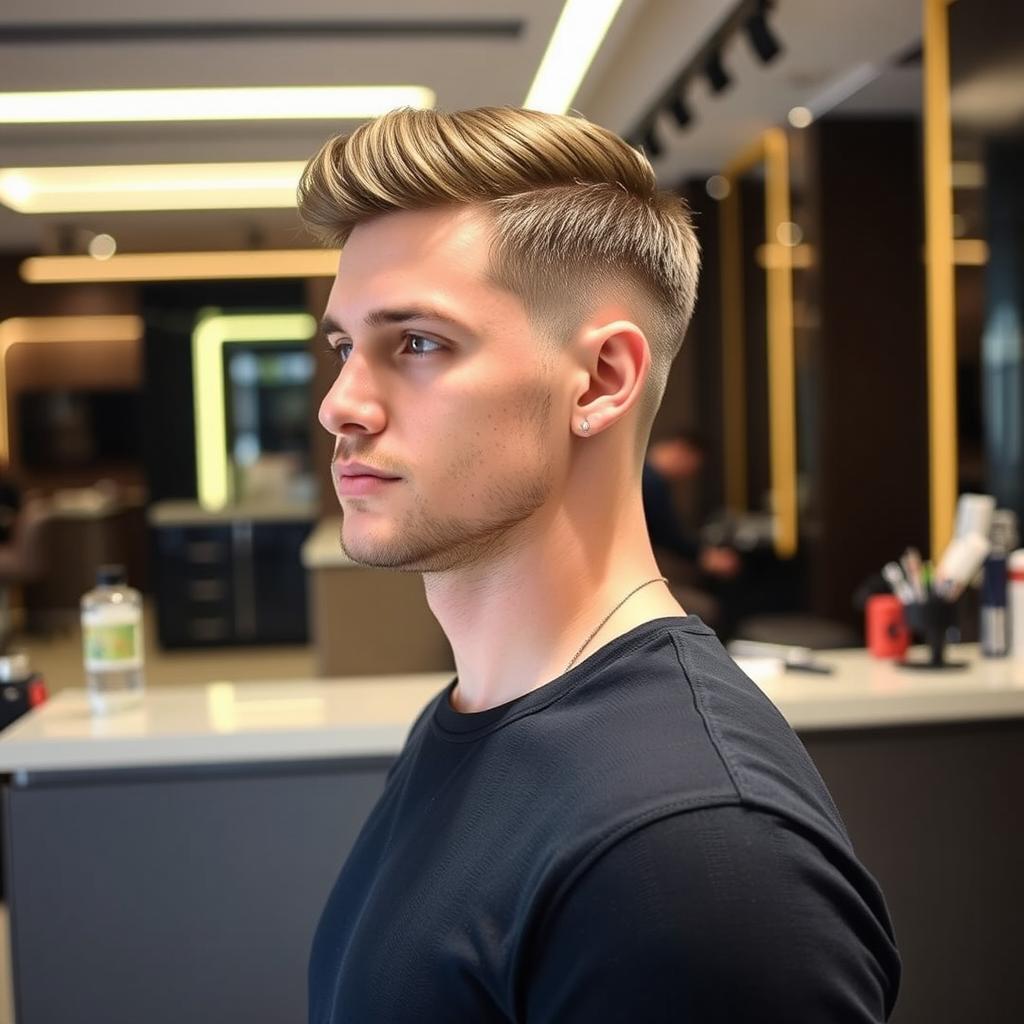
(842, 430)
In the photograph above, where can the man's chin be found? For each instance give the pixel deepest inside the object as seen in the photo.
(375, 555)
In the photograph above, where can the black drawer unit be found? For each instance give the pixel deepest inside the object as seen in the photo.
(239, 582)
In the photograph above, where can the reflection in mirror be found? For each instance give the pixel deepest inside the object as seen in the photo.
(268, 419)
(754, 354)
(757, 240)
(987, 112)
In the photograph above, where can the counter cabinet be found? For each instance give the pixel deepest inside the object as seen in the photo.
(171, 863)
(239, 582)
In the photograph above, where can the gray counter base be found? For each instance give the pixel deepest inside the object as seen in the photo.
(192, 894)
(179, 894)
(934, 812)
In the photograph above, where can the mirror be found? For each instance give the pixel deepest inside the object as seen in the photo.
(759, 391)
(268, 395)
(986, 78)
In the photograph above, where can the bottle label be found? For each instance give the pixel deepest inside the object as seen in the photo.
(112, 645)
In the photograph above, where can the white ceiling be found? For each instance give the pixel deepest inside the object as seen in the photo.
(651, 40)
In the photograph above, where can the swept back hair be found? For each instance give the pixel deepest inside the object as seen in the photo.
(576, 213)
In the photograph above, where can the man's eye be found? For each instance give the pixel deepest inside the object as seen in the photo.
(417, 343)
(335, 350)
(410, 338)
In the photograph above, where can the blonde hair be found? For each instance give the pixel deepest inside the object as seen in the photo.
(576, 211)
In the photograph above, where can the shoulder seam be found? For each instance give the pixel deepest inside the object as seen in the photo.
(713, 734)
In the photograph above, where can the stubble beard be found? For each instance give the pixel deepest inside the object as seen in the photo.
(423, 541)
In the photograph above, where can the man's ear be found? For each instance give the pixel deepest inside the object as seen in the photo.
(616, 358)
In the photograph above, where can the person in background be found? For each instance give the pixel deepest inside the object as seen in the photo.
(10, 503)
(696, 572)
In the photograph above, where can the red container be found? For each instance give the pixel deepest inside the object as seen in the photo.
(886, 627)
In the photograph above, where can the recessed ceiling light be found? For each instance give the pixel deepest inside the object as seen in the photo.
(800, 117)
(102, 247)
(717, 186)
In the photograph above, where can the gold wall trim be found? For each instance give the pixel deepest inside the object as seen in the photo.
(773, 151)
(939, 276)
(21, 330)
(734, 370)
(182, 266)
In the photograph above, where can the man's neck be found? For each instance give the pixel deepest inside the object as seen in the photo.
(515, 622)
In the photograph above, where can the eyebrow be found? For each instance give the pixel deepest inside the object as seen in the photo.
(381, 317)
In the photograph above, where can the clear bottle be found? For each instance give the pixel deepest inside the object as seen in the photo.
(995, 633)
(112, 642)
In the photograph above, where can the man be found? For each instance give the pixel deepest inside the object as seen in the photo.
(601, 818)
(10, 504)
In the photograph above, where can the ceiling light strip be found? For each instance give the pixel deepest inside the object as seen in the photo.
(221, 186)
(581, 29)
(260, 104)
(181, 266)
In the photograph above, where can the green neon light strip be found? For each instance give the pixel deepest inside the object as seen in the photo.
(211, 333)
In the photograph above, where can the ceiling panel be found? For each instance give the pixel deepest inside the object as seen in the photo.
(481, 52)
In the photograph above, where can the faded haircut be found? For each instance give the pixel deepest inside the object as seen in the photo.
(576, 214)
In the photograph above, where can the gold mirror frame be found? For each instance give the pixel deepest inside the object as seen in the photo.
(939, 275)
(21, 330)
(772, 150)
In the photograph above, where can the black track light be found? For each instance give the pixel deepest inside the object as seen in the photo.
(717, 76)
(764, 42)
(680, 111)
(652, 145)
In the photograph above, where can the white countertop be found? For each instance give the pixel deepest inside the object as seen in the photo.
(864, 691)
(322, 549)
(370, 715)
(290, 720)
(178, 512)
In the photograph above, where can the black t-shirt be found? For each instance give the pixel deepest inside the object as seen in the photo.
(642, 839)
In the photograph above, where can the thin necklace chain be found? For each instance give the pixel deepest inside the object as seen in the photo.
(609, 615)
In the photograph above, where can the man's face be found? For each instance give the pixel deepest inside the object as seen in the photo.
(442, 383)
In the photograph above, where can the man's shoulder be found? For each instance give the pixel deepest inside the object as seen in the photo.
(676, 723)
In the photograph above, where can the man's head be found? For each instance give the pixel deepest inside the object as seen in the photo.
(548, 277)
(679, 456)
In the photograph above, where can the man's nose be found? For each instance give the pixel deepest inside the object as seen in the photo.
(353, 401)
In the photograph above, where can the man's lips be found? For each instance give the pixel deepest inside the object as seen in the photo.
(354, 484)
(360, 469)
(356, 478)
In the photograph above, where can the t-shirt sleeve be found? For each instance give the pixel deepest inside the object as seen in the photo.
(724, 914)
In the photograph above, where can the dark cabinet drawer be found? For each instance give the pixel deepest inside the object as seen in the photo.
(279, 579)
(234, 583)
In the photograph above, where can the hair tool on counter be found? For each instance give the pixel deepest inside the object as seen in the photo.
(929, 593)
(794, 659)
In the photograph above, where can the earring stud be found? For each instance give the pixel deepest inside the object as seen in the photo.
(585, 426)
